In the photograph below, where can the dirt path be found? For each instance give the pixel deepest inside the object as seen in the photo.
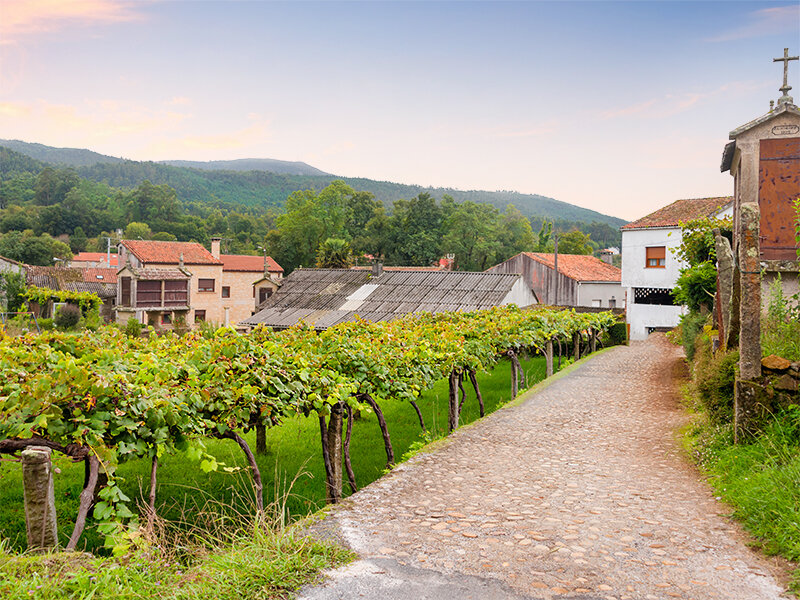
(581, 491)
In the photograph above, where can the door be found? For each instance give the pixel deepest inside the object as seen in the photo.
(778, 188)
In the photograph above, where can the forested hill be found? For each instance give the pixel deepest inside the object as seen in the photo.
(249, 164)
(235, 189)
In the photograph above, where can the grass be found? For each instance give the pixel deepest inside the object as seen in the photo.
(292, 468)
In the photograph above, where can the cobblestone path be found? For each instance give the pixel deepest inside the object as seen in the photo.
(580, 492)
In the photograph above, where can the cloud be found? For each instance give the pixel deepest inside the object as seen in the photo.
(672, 104)
(21, 18)
(765, 22)
(14, 110)
(256, 132)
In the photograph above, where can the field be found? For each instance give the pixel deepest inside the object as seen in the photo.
(292, 467)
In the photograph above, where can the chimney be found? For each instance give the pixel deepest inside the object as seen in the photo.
(377, 268)
(180, 264)
(606, 257)
(215, 244)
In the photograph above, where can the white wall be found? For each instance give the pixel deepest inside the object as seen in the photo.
(520, 294)
(587, 292)
(634, 272)
(642, 316)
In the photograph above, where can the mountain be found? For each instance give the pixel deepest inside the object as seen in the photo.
(249, 164)
(70, 157)
(236, 187)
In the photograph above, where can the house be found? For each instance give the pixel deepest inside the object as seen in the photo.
(764, 160)
(165, 283)
(582, 280)
(649, 267)
(325, 297)
(94, 259)
(247, 281)
(101, 282)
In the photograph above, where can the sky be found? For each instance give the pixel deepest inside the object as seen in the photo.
(621, 107)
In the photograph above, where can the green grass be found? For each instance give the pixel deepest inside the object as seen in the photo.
(292, 468)
(259, 566)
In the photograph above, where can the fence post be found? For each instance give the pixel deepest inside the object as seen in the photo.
(40, 504)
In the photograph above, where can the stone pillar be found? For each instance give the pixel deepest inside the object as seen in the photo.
(745, 399)
(40, 505)
(726, 274)
(750, 292)
(576, 343)
(548, 354)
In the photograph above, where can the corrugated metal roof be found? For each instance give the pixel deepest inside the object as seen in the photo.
(320, 296)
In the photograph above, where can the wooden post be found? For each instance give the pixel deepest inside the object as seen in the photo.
(261, 439)
(548, 355)
(40, 504)
(576, 343)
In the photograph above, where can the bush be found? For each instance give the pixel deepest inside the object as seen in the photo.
(713, 380)
(617, 334)
(690, 328)
(46, 324)
(780, 327)
(133, 328)
(68, 317)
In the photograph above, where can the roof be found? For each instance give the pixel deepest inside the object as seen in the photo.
(95, 257)
(169, 253)
(775, 112)
(326, 297)
(157, 274)
(249, 264)
(362, 268)
(102, 282)
(679, 212)
(580, 267)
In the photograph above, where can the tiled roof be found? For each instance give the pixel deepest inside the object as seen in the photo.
(680, 211)
(158, 274)
(249, 264)
(326, 297)
(580, 267)
(169, 253)
(95, 257)
(74, 279)
(402, 268)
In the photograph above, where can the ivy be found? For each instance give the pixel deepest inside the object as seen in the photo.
(86, 300)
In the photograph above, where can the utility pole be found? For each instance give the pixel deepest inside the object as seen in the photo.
(555, 269)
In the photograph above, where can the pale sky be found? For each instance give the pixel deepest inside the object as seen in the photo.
(621, 107)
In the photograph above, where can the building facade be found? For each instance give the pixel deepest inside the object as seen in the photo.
(650, 268)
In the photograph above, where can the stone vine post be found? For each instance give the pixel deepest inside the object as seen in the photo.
(726, 273)
(335, 452)
(40, 504)
(548, 354)
(745, 400)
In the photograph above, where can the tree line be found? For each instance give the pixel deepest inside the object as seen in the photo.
(49, 213)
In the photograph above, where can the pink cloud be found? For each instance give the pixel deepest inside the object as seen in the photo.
(767, 21)
(20, 18)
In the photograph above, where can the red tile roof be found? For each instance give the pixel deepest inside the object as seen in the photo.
(249, 264)
(94, 257)
(102, 275)
(580, 267)
(680, 211)
(169, 253)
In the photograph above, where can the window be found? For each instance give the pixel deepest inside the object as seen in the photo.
(166, 319)
(597, 303)
(612, 303)
(199, 316)
(226, 291)
(263, 294)
(205, 285)
(660, 296)
(656, 257)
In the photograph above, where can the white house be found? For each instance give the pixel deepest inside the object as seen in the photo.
(649, 266)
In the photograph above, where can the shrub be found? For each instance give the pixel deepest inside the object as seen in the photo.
(617, 334)
(46, 324)
(133, 328)
(68, 317)
(690, 328)
(780, 328)
(713, 380)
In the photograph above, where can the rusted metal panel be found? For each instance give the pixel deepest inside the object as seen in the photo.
(778, 187)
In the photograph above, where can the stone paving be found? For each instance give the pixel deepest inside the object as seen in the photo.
(581, 491)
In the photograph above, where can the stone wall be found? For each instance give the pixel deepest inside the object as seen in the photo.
(761, 398)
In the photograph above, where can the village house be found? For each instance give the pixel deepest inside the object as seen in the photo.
(650, 268)
(582, 280)
(84, 260)
(165, 284)
(326, 297)
(98, 281)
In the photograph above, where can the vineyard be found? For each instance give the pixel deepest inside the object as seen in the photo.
(103, 398)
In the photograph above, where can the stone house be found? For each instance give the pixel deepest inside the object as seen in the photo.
(649, 267)
(84, 260)
(98, 281)
(247, 281)
(582, 280)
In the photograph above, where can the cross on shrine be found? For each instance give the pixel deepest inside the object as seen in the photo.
(786, 87)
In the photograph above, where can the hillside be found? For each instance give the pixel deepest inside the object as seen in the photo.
(249, 164)
(234, 188)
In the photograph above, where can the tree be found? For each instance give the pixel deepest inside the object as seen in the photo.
(11, 287)
(334, 253)
(575, 242)
(515, 233)
(543, 242)
(78, 240)
(415, 232)
(138, 231)
(472, 235)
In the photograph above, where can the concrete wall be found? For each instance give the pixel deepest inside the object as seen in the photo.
(588, 292)
(642, 316)
(9, 266)
(520, 294)
(634, 245)
(540, 279)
